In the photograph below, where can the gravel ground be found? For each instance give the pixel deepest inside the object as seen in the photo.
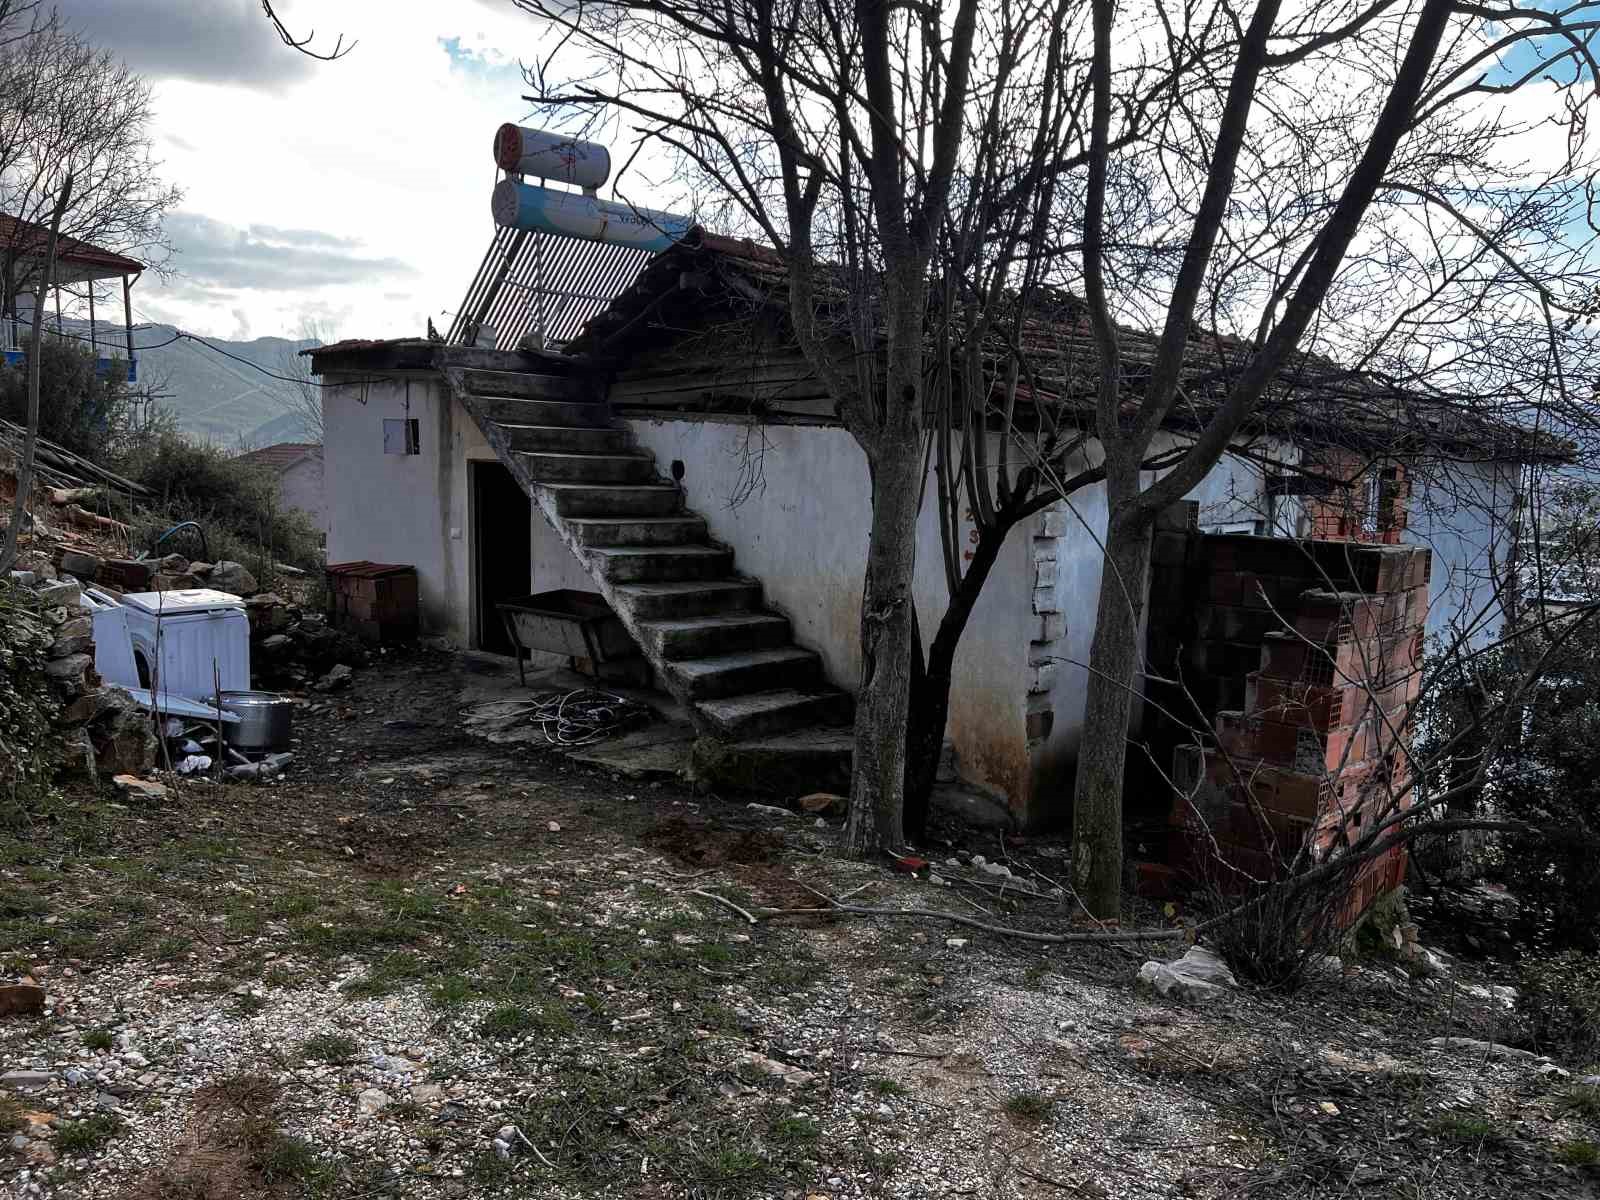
(426, 967)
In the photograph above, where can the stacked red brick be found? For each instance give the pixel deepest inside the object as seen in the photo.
(1315, 749)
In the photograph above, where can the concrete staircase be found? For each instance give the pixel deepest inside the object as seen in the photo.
(699, 623)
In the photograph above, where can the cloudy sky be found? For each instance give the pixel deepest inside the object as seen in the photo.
(354, 193)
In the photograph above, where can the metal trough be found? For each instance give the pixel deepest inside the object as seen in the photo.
(567, 622)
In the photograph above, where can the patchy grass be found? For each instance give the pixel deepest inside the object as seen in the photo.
(1582, 1100)
(86, 1137)
(98, 1039)
(795, 1131)
(1466, 1127)
(1029, 1107)
(884, 1086)
(511, 1021)
(329, 1048)
(1580, 1152)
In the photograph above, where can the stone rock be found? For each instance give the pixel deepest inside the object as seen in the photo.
(19, 1142)
(229, 576)
(427, 1093)
(374, 1100)
(769, 810)
(277, 643)
(789, 1076)
(64, 647)
(1550, 1071)
(59, 594)
(75, 562)
(200, 568)
(1490, 1050)
(40, 1154)
(25, 1079)
(135, 788)
(1197, 977)
(77, 627)
(123, 740)
(77, 755)
(173, 564)
(1494, 993)
(823, 804)
(90, 705)
(21, 1000)
(70, 673)
(335, 680)
(168, 581)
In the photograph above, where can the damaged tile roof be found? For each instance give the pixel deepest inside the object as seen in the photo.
(708, 276)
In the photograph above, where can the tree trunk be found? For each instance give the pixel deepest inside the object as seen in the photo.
(1113, 670)
(930, 703)
(30, 442)
(878, 781)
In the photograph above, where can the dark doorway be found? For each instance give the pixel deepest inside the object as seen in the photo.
(502, 548)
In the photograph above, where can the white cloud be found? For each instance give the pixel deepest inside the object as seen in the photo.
(358, 187)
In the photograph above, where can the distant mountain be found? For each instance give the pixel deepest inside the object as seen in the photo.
(217, 398)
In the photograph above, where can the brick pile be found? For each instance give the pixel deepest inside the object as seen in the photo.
(1306, 656)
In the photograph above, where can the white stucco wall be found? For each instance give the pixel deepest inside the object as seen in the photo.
(416, 508)
(301, 487)
(1462, 512)
(792, 502)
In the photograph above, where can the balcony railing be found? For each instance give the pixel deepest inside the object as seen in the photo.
(109, 349)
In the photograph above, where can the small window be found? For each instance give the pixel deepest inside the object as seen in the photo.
(401, 436)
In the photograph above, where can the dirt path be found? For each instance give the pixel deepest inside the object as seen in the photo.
(426, 966)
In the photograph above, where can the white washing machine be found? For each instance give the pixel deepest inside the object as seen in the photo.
(113, 648)
(189, 643)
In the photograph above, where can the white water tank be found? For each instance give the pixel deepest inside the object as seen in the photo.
(190, 643)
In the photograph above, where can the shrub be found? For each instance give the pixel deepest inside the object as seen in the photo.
(27, 705)
(1560, 997)
(235, 502)
(78, 407)
(1541, 738)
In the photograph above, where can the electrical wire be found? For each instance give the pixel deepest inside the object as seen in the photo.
(576, 718)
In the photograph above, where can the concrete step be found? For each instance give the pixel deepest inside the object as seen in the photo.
(565, 439)
(637, 467)
(513, 410)
(524, 384)
(695, 637)
(671, 601)
(638, 531)
(659, 564)
(812, 758)
(722, 675)
(764, 714)
(615, 499)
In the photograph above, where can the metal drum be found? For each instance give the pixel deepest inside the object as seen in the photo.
(265, 720)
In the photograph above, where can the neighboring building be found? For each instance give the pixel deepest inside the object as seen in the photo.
(23, 245)
(298, 466)
(683, 462)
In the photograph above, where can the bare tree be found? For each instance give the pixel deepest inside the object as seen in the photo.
(835, 130)
(8, 551)
(66, 107)
(1301, 207)
(304, 44)
(303, 394)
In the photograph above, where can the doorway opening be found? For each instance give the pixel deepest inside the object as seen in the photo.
(502, 550)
